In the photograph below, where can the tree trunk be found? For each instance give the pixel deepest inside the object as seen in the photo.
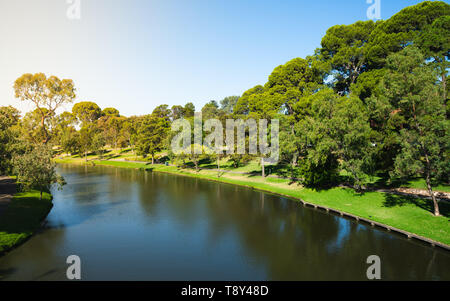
(293, 164)
(44, 129)
(263, 172)
(41, 196)
(153, 159)
(85, 156)
(433, 197)
(218, 167)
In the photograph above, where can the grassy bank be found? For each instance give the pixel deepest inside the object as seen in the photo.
(22, 218)
(254, 167)
(405, 213)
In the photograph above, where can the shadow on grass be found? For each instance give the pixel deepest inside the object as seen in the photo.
(24, 214)
(393, 200)
(4, 273)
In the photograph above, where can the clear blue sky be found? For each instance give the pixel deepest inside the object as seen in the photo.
(135, 55)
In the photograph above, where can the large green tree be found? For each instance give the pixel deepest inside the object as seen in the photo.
(153, 132)
(345, 48)
(403, 29)
(412, 100)
(47, 95)
(87, 112)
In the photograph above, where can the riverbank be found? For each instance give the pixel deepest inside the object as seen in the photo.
(408, 214)
(22, 218)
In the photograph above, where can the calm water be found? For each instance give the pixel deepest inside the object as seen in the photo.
(135, 225)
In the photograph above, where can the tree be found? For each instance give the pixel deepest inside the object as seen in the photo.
(344, 47)
(84, 145)
(32, 129)
(288, 83)
(129, 131)
(435, 45)
(402, 29)
(36, 169)
(47, 95)
(70, 141)
(412, 97)
(63, 126)
(87, 112)
(352, 134)
(98, 143)
(227, 104)
(177, 112)
(189, 110)
(111, 127)
(112, 112)
(153, 132)
(9, 118)
(210, 110)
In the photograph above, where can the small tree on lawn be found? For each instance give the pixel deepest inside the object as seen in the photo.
(36, 170)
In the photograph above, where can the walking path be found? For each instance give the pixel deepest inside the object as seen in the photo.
(7, 190)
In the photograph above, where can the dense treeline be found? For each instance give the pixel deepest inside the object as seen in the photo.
(372, 100)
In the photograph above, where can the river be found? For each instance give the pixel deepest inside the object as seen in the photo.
(128, 224)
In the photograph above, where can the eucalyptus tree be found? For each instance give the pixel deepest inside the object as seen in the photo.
(47, 95)
(413, 106)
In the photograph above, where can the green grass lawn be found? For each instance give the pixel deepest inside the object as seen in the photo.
(420, 184)
(22, 218)
(405, 213)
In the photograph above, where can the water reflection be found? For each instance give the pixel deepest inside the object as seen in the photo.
(135, 225)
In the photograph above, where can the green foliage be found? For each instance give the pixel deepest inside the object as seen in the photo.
(36, 170)
(47, 95)
(227, 104)
(87, 112)
(189, 110)
(153, 132)
(411, 95)
(403, 29)
(345, 48)
(210, 110)
(112, 112)
(9, 119)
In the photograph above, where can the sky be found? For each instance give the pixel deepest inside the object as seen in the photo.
(137, 54)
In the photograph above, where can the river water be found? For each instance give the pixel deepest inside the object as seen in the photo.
(127, 224)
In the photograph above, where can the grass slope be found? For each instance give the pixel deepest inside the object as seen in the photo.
(22, 218)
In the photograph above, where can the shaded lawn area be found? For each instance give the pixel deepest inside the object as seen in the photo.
(384, 181)
(22, 218)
